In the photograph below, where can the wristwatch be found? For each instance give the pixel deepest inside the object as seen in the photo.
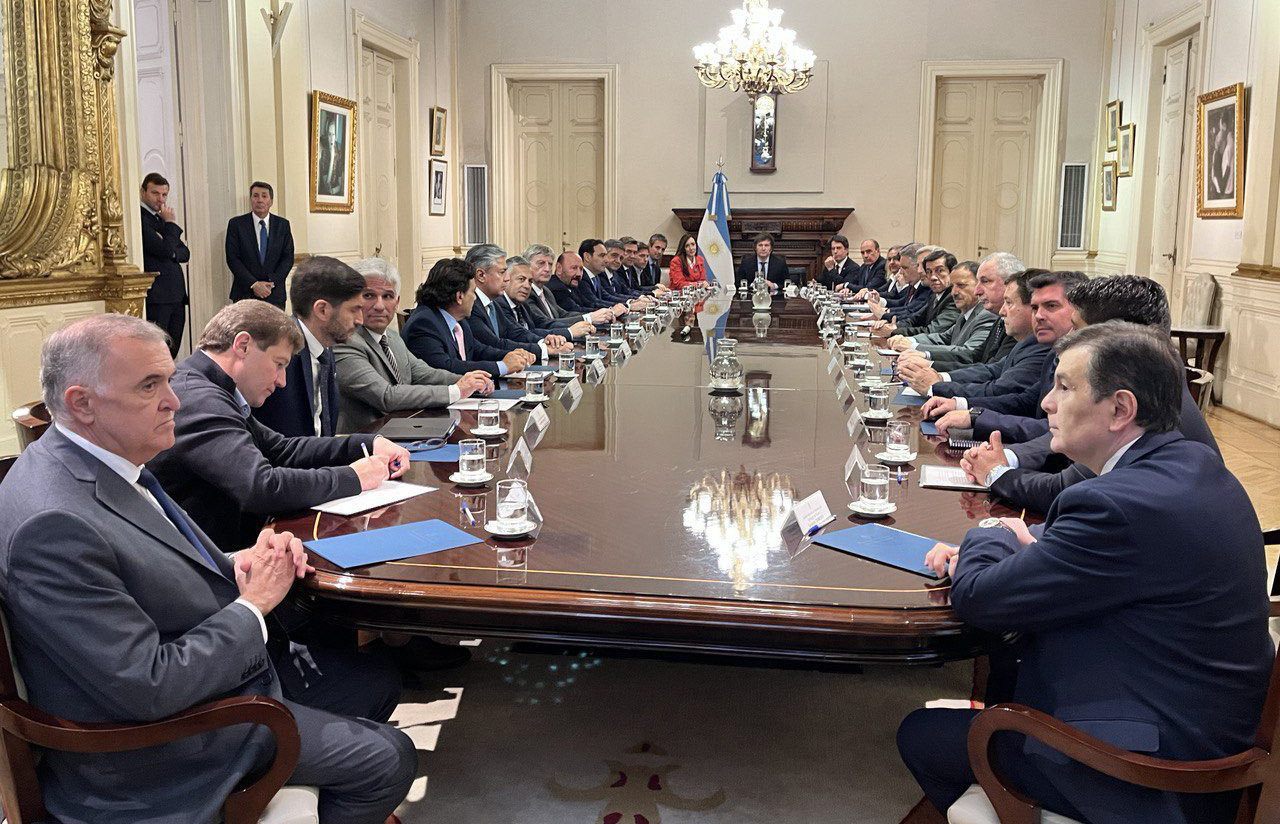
(974, 412)
(988, 523)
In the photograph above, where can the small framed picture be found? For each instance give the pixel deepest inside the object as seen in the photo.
(333, 153)
(1109, 186)
(1220, 148)
(1124, 162)
(439, 121)
(1113, 125)
(764, 132)
(438, 175)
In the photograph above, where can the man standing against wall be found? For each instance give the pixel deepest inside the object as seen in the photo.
(163, 252)
(259, 249)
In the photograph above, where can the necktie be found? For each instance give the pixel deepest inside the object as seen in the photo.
(391, 359)
(457, 337)
(175, 515)
(493, 318)
(262, 241)
(546, 306)
(324, 386)
(759, 268)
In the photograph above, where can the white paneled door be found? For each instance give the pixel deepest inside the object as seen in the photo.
(377, 202)
(984, 147)
(1177, 98)
(559, 168)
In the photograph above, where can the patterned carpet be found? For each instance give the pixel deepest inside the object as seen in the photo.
(534, 737)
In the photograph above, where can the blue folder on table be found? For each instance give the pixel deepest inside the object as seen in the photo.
(443, 454)
(390, 544)
(929, 428)
(509, 394)
(876, 542)
(887, 370)
(910, 400)
(542, 367)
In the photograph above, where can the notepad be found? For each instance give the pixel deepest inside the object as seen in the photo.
(883, 544)
(390, 492)
(935, 476)
(392, 543)
(904, 399)
(929, 428)
(503, 404)
(444, 454)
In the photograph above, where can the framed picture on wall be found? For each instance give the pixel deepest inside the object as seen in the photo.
(1109, 179)
(1220, 152)
(1124, 161)
(439, 121)
(333, 153)
(764, 132)
(438, 176)
(1112, 123)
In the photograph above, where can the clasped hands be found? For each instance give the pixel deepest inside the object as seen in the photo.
(951, 417)
(265, 571)
(917, 372)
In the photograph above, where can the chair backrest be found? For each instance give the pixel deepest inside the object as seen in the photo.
(6, 463)
(19, 789)
(1197, 300)
(31, 420)
(1200, 385)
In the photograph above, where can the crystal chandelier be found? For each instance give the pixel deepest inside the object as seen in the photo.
(755, 54)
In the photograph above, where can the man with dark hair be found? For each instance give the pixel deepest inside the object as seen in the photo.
(595, 257)
(990, 290)
(940, 313)
(969, 332)
(326, 303)
(259, 249)
(612, 272)
(492, 326)
(651, 272)
(1140, 624)
(763, 264)
(571, 291)
(837, 267)
(870, 274)
(163, 252)
(439, 331)
(1031, 474)
(915, 293)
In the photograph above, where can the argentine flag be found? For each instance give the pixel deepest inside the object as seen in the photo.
(713, 234)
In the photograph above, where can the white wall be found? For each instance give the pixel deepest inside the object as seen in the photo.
(874, 51)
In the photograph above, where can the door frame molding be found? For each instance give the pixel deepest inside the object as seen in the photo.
(404, 53)
(502, 118)
(1048, 147)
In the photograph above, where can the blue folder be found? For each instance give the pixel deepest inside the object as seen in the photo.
(887, 370)
(444, 454)
(876, 542)
(512, 394)
(910, 400)
(929, 428)
(542, 367)
(390, 544)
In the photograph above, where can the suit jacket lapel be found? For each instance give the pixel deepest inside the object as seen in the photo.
(304, 361)
(379, 354)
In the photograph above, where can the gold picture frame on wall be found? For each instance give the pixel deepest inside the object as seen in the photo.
(1124, 151)
(439, 123)
(333, 153)
(1112, 118)
(1220, 150)
(1108, 186)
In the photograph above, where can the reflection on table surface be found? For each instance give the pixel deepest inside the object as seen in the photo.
(652, 487)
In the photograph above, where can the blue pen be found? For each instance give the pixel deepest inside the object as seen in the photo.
(470, 517)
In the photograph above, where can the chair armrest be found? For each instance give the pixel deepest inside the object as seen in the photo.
(1231, 773)
(24, 721)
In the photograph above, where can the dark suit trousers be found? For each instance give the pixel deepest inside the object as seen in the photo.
(934, 746)
(172, 318)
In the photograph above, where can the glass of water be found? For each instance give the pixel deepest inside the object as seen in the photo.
(566, 363)
(533, 385)
(874, 484)
(897, 438)
(487, 416)
(513, 500)
(471, 457)
(593, 346)
(878, 399)
(615, 331)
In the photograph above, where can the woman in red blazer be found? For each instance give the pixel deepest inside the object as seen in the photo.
(687, 266)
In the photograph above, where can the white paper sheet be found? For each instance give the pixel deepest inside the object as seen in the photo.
(390, 492)
(910, 393)
(934, 476)
(474, 403)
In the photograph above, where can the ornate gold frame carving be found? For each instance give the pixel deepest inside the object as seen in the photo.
(61, 218)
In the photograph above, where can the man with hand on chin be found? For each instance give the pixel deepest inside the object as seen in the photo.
(1140, 601)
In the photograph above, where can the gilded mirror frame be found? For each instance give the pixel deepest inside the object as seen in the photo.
(62, 236)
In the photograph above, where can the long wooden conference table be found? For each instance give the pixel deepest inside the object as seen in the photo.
(663, 506)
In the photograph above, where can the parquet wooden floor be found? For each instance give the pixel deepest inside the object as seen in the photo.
(1251, 450)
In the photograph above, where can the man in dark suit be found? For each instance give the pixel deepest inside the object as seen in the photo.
(326, 303)
(572, 291)
(259, 249)
(989, 289)
(439, 329)
(970, 330)
(940, 312)
(163, 252)
(122, 610)
(651, 266)
(516, 305)
(914, 296)
(635, 257)
(613, 278)
(764, 264)
(543, 305)
(1141, 601)
(837, 267)
(870, 275)
(488, 325)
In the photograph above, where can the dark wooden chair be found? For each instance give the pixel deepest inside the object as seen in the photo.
(31, 420)
(22, 727)
(1256, 770)
(1200, 385)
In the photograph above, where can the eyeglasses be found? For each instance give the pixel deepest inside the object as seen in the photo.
(426, 445)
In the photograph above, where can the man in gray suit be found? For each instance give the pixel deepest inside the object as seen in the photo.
(969, 332)
(123, 610)
(542, 302)
(377, 373)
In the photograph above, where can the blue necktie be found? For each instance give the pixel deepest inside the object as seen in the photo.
(262, 242)
(493, 319)
(175, 515)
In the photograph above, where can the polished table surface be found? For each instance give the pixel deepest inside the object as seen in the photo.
(663, 506)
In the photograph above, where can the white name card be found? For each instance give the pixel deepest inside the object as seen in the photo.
(625, 349)
(538, 419)
(520, 455)
(812, 513)
(855, 461)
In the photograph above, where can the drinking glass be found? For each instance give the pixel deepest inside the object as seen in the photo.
(851, 331)
(593, 346)
(615, 331)
(471, 457)
(878, 399)
(513, 500)
(874, 484)
(533, 385)
(566, 363)
(897, 438)
(487, 416)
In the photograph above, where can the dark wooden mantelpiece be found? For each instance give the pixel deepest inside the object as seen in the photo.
(802, 235)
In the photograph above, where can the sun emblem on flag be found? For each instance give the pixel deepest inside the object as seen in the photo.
(715, 248)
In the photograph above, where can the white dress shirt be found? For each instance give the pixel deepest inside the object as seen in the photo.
(316, 348)
(131, 472)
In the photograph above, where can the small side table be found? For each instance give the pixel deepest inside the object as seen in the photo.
(1208, 340)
